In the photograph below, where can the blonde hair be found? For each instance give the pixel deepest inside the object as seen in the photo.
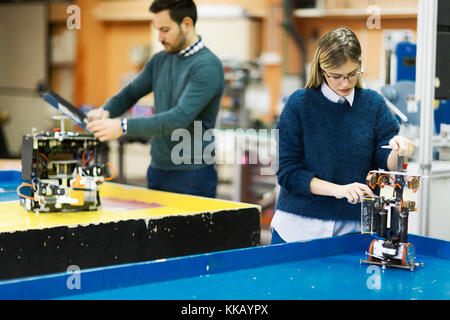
(333, 50)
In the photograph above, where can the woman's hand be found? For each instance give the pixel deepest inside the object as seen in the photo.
(402, 145)
(353, 192)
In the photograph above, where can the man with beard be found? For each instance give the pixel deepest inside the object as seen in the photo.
(187, 81)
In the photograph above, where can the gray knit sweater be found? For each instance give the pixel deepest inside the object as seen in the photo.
(186, 89)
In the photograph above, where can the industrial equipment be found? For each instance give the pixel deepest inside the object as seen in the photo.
(390, 247)
(61, 171)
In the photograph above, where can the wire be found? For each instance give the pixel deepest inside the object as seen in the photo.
(41, 164)
(24, 184)
(396, 185)
(88, 160)
(43, 156)
(114, 172)
(82, 156)
(85, 162)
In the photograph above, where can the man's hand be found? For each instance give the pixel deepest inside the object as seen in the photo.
(402, 145)
(106, 129)
(354, 192)
(97, 114)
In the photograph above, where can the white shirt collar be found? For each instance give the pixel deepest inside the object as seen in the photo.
(333, 96)
(196, 47)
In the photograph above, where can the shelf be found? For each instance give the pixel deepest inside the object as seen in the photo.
(137, 10)
(65, 64)
(123, 11)
(355, 13)
(58, 12)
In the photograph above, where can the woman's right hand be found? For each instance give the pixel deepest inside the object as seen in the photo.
(97, 114)
(353, 192)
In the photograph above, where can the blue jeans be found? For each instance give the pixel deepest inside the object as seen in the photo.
(198, 182)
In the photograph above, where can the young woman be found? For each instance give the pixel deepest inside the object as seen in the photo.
(330, 136)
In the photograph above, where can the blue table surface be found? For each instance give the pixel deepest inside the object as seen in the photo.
(318, 269)
(338, 277)
(9, 181)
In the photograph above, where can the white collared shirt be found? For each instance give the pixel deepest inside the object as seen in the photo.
(196, 47)
(333, 96)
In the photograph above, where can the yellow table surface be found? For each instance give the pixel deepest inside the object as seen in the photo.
(14, 217)
(10, 164)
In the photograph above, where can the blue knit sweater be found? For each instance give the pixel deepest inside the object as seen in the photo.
(334, 142)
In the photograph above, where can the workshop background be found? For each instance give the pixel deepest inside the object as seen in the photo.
(87, 50)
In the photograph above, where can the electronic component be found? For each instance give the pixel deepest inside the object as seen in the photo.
(390, 247)
(61, 172)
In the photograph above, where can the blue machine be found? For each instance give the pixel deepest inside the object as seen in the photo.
(406, 61)
(400, 95)
(442, 115)
(404, 89)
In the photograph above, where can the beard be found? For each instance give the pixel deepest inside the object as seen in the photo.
(178, 44)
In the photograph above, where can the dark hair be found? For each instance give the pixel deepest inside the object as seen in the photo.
(178, 9)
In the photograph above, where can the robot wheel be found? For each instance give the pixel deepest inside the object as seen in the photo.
(409, 255)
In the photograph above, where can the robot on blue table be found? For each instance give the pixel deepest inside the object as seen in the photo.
(390, 247)
(62, 170)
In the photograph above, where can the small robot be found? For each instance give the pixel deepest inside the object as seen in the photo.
(390, 247)
(62, 171)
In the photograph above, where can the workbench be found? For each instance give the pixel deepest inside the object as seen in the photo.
(134, 224)
(318, 269)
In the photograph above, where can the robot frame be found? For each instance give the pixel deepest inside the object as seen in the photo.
(63, 171)
(390, 247)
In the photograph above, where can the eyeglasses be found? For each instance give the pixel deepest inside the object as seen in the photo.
(350, 77)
